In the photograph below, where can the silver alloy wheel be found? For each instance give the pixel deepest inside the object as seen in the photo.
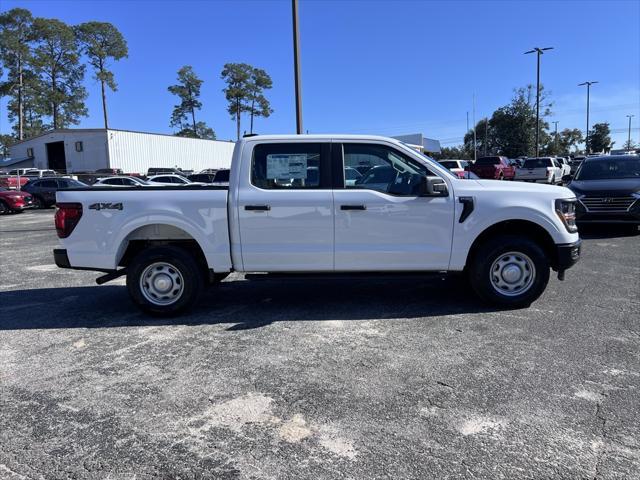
(161, 284)
(512, 274)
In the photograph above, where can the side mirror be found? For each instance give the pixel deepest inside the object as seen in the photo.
(567, 178)
(433, 187)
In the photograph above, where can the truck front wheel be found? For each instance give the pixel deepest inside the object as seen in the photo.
(509, 270)
(164, 281)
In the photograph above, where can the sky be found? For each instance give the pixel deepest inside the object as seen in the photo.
(379, 67)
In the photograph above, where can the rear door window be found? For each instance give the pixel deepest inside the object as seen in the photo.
(289, 166)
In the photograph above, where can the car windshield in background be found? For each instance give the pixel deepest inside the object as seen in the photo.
(71, 183)
(449, 164)
(222, 176)
(609, 168)
(537, 163)
(488, 161)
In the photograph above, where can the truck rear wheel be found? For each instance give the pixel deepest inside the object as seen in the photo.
(509, 270)
(164, 281)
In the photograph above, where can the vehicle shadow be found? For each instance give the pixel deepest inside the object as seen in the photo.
(603, 230)
(247, 303)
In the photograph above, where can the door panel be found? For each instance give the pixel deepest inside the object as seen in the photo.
(388, 231)
(286, 223)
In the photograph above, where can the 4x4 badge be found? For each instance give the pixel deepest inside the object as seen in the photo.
(105, 206)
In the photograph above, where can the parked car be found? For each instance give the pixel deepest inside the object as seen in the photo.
(455, 165)
(466, 174)
(13, 182)
(608, 189)
(41, 173)
(575, 163)
(163, 170)
(109, 171)
(171, 179)
(202, 177)
(493, 167)
(222, 177)
(121, 181)
(565, 164)
(170, 242)
(542, 169)
(43, 190)
(21, 171)
(209, 170)
(14, 201)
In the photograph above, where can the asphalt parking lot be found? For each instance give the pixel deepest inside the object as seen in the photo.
(386, 377)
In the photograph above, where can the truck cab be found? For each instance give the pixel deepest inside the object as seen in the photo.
(291, 207)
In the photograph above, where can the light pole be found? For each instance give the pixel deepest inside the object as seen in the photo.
(586, 142)
(556, 132)
(538, 51)
(296, 66)
(629, 138)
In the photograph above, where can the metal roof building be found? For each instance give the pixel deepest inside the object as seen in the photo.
(86, 150)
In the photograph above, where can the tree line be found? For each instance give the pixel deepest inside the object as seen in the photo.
(43, 62)
(511, 131)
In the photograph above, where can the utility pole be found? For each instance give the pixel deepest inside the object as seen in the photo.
(556, 133)
(475, 149)
(629, 138)
(586, 142)
(467, 131)
(539, 52)
(296, 66)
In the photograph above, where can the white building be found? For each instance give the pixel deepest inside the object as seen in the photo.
(87, 150)
(420, 142)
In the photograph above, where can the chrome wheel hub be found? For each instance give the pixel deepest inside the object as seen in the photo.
(512, 274)
(161, 283)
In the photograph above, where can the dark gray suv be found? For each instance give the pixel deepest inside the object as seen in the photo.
(43, 190)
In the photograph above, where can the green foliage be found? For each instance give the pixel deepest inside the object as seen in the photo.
(32, 108)
(184, 114)
(16, 37)
(56, 61)
(238, 91)
(600, 139)
(260, 106)
(511, 130)
(101, 41)
(5, 142)
(457, 153)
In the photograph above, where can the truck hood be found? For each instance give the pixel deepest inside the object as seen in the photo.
(501, 186)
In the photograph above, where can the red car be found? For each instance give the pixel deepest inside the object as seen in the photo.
(14, 201)
(11, 181)
(494, 168)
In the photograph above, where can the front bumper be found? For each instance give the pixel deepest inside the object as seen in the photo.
(567, 255)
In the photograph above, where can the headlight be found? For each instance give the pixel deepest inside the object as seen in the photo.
(566, 210)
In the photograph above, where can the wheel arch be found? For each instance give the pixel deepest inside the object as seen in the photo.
(158, 234)
(516, 227)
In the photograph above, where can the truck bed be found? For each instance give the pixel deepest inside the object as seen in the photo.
(114, 216)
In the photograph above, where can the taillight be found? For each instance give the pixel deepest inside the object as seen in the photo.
(67, 217)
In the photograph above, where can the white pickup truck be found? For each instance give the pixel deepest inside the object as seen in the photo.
(542, 169)
(288, 208)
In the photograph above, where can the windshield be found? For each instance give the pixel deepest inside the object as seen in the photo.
(605, 169)
(488, 161)
(431, 161)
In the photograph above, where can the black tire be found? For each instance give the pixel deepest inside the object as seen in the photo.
(4, 208)
(182, 262)
(494, 248)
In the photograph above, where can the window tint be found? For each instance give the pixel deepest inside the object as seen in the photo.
(285, 166)
(47, 184)
(222, 176)
(449, 164)
(488, 161)
(387, 169)
(113, 181)
(537, 163)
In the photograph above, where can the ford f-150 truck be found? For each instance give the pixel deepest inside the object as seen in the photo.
(288, 208)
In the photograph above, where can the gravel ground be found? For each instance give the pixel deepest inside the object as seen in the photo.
(386, 377)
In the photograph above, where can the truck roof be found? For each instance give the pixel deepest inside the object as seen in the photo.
(323, 136)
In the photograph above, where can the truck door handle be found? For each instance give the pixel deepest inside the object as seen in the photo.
(257, 208)
(353, 207)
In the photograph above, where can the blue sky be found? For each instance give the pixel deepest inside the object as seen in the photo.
(383, 67)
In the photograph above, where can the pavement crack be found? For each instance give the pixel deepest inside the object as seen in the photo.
(603, 449)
